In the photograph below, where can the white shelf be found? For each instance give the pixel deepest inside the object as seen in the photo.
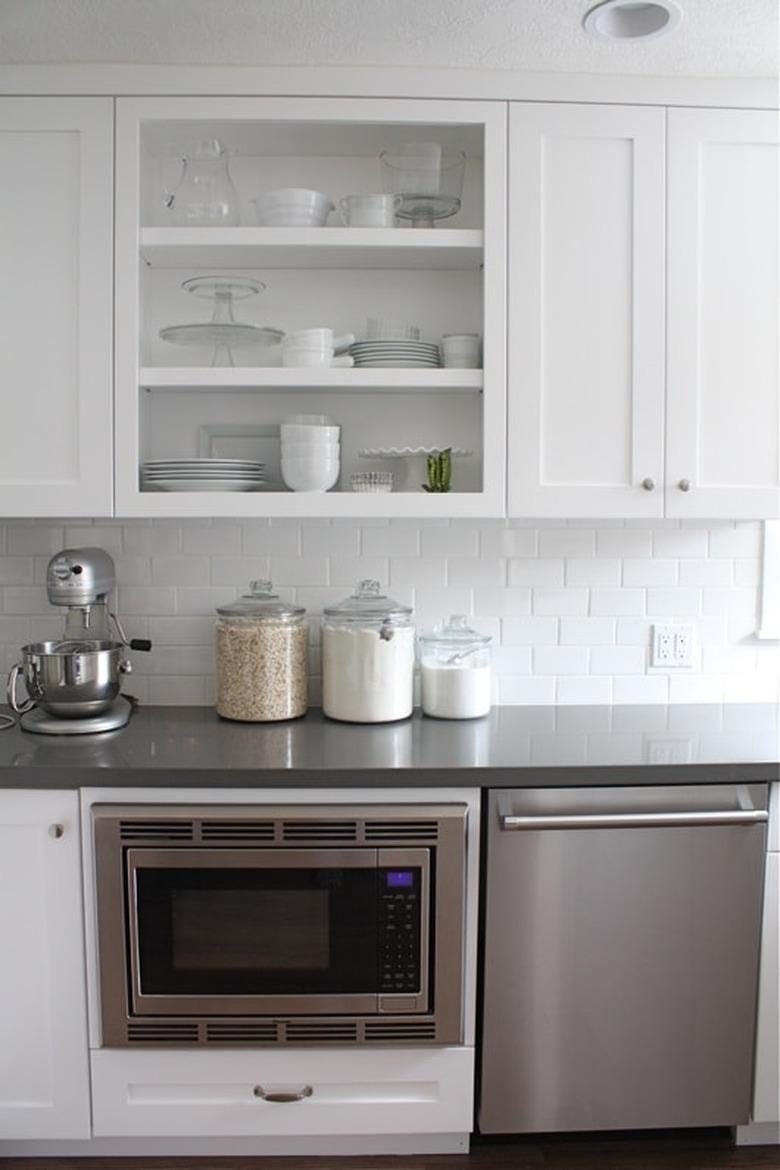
(353, 381)
(326, 247)
(332, 504)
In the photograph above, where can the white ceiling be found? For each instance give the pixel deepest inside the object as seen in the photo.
(718, 38)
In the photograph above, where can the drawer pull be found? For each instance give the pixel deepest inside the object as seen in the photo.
(282, 1097)
(56, 831)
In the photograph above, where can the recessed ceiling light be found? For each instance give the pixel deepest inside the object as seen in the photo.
(624, 20)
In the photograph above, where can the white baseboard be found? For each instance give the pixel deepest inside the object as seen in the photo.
(762, 1133)
(420, 1143)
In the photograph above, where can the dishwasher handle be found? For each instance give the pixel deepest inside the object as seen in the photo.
(650, 820)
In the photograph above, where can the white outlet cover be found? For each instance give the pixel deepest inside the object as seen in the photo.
(673, 647)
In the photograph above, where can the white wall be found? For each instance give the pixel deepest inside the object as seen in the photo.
(569, 604)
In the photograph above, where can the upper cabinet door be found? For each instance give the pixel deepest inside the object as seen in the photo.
(722, 449)
(55, 305)
(586, 322)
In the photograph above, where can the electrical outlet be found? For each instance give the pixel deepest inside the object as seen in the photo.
(673, 647)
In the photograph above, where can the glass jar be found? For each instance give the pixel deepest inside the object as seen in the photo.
(262, 658)
(367, 658)
(455, 671)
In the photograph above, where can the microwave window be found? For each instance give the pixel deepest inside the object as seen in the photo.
(255, 931)
(284, 930)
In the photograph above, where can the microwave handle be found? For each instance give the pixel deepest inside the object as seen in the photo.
(282, 1096)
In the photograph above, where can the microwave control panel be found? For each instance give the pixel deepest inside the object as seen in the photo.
(399, 931)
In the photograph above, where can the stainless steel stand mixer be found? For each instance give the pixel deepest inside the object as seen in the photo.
(73, 684)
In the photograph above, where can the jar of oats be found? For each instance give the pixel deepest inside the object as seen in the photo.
(262, 657)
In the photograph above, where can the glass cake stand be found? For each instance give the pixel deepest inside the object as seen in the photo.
(222, 331)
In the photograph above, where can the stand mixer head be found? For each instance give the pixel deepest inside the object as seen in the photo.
(82, 579)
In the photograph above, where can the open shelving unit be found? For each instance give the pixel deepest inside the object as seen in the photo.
(446, 279)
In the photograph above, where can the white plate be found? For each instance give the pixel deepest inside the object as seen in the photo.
(201, 485)
(205, 464)
(407, 452)
(397, 364)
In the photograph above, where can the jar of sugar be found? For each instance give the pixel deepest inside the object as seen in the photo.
(455, 673)
(367, 657)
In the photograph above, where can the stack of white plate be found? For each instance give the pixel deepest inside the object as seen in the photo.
(202, 475)
(311, 452)
(396, 355)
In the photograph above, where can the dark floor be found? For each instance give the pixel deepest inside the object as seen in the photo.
(700, 1150)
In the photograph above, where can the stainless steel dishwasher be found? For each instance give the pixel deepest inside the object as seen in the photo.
(621, 957)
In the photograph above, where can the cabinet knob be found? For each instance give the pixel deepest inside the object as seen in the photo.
(648, 484)
(56, 831)
(284, 1096)
(684, 485)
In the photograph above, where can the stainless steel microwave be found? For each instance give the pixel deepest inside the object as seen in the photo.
(334, 924)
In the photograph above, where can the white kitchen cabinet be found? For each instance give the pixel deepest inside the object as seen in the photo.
(643, 345)
(44, 1070)
(171, 403)
(342, 1092)
(586, 318)
(723, 435)
(55, 306)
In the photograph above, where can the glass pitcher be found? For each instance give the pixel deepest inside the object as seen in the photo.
(205, 195)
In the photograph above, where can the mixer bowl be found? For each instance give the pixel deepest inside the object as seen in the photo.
(70, 679)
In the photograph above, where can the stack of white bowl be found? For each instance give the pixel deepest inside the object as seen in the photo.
(310, 452)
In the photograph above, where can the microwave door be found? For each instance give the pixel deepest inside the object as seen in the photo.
(246, 932)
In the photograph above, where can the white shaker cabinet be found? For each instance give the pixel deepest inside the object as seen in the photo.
(44, 1071)
(55, 305)
(723, 457)
(586, 319)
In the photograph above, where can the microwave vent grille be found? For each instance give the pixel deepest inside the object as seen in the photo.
(396, 1030)
(237, 831)
(427, 831)
(156, 830)
(320, 830)
(243, 1032)
(162, 1033)
(326, 1032)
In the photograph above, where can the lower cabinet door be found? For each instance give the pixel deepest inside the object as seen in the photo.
(291, 1093)
(44, 1068)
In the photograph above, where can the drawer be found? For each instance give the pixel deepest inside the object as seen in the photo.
(217, 1093)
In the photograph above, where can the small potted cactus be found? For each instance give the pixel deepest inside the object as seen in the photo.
(439, 470)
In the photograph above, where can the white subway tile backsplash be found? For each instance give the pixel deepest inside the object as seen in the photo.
(742, 541)
(706, 572)
(449, 542)
(674, 602)
(585, 641)
(536, 572)
(560, 602)
(529, 631)
(587, 631)
(617, 659)
(560, 660)
(583, 690)
(598, 571)
(508, 542)
(567, 542)
(620, 602)
(649, 572)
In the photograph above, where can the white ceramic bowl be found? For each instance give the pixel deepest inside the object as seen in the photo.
(292, 207)
(302, 433)
(304, 450)
(309, 420)
(302, 476)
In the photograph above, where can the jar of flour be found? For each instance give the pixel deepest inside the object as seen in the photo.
(455, 671)
(367, 657)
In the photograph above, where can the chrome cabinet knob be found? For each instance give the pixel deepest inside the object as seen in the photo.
(56, 831)
(684, 485)
(648, 484)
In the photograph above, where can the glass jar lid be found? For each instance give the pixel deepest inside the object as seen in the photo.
(261, 602)
(455, 633)
(369, 603)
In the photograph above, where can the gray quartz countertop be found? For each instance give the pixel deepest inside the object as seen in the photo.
(526, 746)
